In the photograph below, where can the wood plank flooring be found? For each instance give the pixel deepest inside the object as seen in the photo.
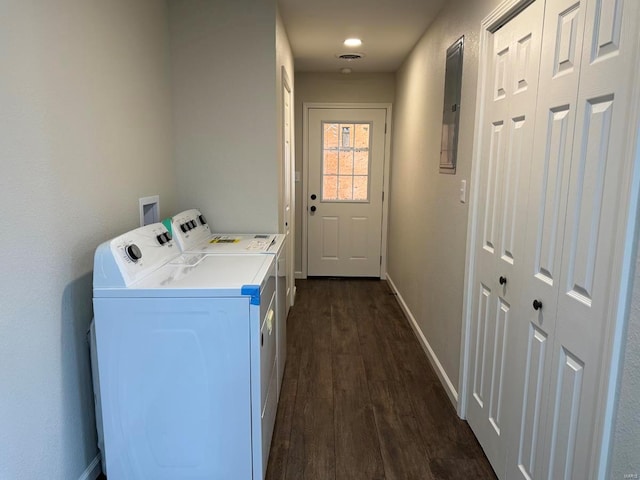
(359, 398)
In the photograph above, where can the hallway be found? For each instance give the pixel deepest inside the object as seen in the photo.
(359, 398)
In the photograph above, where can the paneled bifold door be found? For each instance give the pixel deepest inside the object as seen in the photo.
(550, 229)
(507, 140)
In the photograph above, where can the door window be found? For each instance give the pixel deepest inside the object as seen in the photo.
(345, 162)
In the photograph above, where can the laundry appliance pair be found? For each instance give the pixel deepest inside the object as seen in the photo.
(184, 355)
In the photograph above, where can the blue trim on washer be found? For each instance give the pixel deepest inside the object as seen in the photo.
(253, 291)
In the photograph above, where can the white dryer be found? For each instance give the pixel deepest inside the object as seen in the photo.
(185, 354)
(193, 234)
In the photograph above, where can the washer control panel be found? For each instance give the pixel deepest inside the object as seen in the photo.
(141, 251)
(190, 229)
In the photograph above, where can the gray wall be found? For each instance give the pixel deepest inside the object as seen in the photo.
(626, 439)
(332, 88)
(427, 223)
(224, 111)
(85, 124)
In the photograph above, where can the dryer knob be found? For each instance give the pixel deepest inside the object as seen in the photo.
(184, 228)
(203, 220)
(193, 224)
(133, 252)
(161, 239)
(167, 236)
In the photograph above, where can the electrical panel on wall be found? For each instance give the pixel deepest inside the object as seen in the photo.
(451, 109)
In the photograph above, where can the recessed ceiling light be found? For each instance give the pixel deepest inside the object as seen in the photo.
(352, 42)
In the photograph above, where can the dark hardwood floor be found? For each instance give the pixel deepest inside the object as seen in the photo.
(359, 398)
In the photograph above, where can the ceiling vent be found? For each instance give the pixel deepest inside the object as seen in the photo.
(350, 56)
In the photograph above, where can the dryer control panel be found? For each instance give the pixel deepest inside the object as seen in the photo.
(190, 229)
(133, 255)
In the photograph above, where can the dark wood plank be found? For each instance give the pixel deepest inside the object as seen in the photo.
(403, 451)
(312, 444)
(344, 331)
(357, 447)
(448, 468)
(281, 441)
(315, 377)
(444, 434)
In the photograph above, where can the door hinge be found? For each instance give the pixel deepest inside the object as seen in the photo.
(385, 128)
(383, 196)
(380, 260)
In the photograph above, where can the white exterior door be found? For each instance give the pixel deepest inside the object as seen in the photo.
(345, 188)
(507, 140)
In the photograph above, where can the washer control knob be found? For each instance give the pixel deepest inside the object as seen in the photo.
(167, 237)
(203, 220)
(193, 224)
(133, 252)
(184, 228)
(161, 239)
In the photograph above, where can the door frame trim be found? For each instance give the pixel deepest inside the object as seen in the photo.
(290, 261)
(306, 106)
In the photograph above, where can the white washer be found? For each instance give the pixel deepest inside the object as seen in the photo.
(193, 234)
(185, 356)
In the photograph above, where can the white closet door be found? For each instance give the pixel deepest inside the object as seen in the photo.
(550, 171)
(507, 136)
(593, 240)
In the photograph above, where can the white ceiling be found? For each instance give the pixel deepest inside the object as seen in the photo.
(388, 29)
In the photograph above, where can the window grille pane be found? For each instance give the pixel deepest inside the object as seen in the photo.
(362, 136)
(346, 163)
(346, 136)
(361, 162)
(360, 190)
(330, 135)
(330, 162)
(345, 187)
(330, 187)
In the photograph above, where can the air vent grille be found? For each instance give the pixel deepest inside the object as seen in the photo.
(350, 56)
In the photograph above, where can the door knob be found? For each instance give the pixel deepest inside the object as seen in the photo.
(503, 280)
(313, 208)
(313, 196)
(537, 304)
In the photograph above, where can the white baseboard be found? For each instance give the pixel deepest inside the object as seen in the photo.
(299, 275)
(431, 355)
(93, 470)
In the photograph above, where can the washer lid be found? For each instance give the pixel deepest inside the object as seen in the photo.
(200, 275)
